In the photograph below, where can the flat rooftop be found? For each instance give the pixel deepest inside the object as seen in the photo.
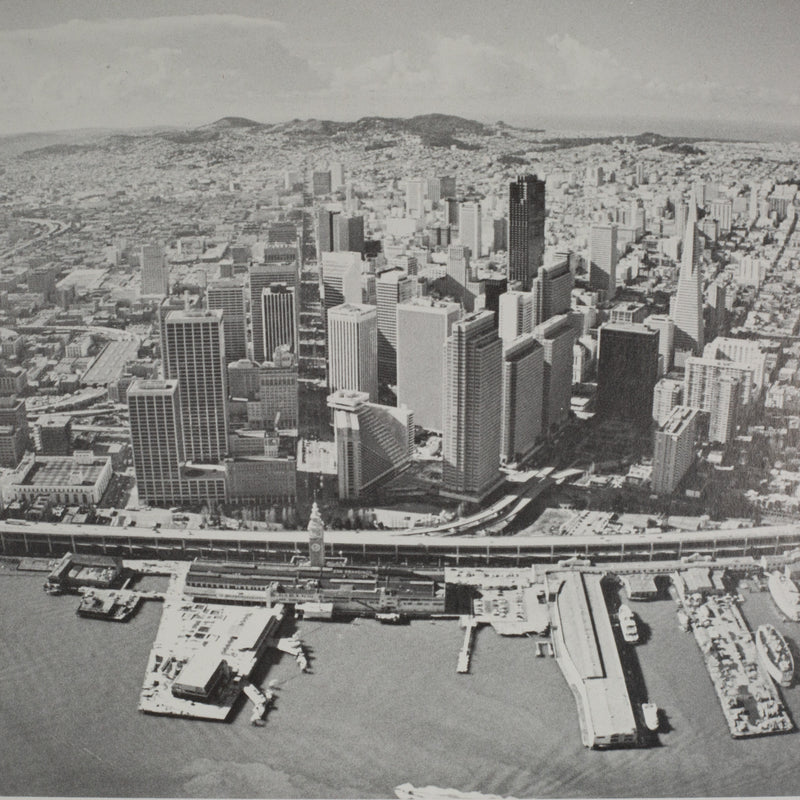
(63, 472)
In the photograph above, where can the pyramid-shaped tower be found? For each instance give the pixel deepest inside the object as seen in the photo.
(687, 305)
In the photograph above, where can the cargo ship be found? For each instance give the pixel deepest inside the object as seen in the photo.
(115, 605)
(775, 654)
(627, 623)
(786, 595)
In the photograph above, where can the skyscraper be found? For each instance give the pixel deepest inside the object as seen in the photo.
(261, 277)
(666, 338)
(393, 287)
(603, 259)
(523, 388)
(725, 394)
(687, 304)
(423, 326)
(459, 278)
(348, 234)
(627, 371)
(227, 295)
(279, 318)
(156, 440)
(353, 348)
(557, 336)
(372, 441)
(195, 357)
(470, 227)
(155, 271)
(321, 182)
(472, 408)
(515, 315)
(341, 279)
(552, 291)
(325, 220)
(278, 390)
(526, 213)
(666, 395)
(673, 452)
(415, 196)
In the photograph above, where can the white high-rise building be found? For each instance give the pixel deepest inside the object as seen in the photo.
(341, 278)
(279, 318)
(725, 396)
(666, 395)
(557, 336)
(515, 314)
(423, 325)
(392, 288)
(472, 408)
(155, 271)
(260, 277)
(227, 295)
(195, 356)
(552, 291)
(666, 339)
(415, 196)
(687, 304)
(523, 392)
(674, 449)
(469, 225)
(353, 348)
(603, 259)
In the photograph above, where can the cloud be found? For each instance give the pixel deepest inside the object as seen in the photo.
(146, 71)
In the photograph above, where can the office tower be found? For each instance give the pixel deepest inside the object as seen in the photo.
(627, 313)
(702, 375)
(337, 174)
(415, 196)
(674, 449)
(552, 291)
(523, 391)
(526, 213)
(722, 212)
(433, 190)
(459, 279)
(195, 357)
(156, 440)
(500, 230)
(227, 295)
(348, 234)
(321, 182)
(279, 317)
(244, 379)
(752, 206)
(515, 314)
(725, 394)
(408, 264)
(698, 195)
(155, 271)
(291, 178)
(638, 218)
(716, 322)
(447, 187)
(13, 431)
(372, 441)
(278, 390)
(451, 211)
(341, 279)
(423, 326)
(666, 395)
(687, 304)
(369, 292)
(325, 224)
(263, 276)
(283, 233)
(681, 214)
(472, 408)
(627, 371)
(470, 227)
(392, 288)
(603, 259)
(353, 348)
(493, 289)
(557, 337)
(666, 339)
(54, 432)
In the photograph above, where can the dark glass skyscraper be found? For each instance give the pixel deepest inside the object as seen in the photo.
(525, 229)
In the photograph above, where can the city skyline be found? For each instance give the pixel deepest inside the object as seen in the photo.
(84, 64)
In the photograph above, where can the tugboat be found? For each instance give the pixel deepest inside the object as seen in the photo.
(627, 622)
(650, 712)
(786, 595)
(775, 654)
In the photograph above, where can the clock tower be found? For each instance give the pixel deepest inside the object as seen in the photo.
(316, 538)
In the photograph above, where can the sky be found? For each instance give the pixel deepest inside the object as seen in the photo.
(139, 63)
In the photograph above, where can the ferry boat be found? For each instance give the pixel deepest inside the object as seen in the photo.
(627, 622)
(650, 712)
(775, 654)
(786, 595)
(117, 606)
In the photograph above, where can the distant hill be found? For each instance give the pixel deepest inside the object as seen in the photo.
(225, 123)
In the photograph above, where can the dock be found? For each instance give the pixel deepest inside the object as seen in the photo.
(749, 700)
(470, 624)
